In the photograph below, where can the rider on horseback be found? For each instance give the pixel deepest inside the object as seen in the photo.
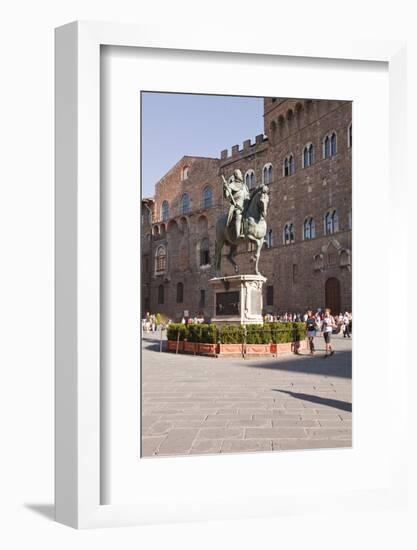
(237, 192)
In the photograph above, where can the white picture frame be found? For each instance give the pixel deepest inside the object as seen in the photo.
(78, 259)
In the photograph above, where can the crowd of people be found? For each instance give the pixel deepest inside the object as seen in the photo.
(327, 324)
(319, 321)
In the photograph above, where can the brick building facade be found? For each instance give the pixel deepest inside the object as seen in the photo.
(304, 156)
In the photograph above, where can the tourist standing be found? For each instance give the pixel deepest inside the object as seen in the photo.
(311, 327)
(328, 324)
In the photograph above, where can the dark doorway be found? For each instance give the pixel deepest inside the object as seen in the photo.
(333, 295)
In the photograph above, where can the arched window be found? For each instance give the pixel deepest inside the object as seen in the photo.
(165, 211)
(309, 229)
(161, 294)
(180, 293)
(205, 252)
(160, 259)
(333, 144)
(267, 174)
(269, 239)
(288, 233)
(330, 145)
(331, 222)
(289, 165)
(185, 203)
(349, 137)
(250, 179)
(308, 155)
(207, 197)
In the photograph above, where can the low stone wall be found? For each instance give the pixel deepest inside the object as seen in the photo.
(233, 350)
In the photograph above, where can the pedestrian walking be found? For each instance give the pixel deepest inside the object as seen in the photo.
(346, 323)
(327, 326)
(311, 326)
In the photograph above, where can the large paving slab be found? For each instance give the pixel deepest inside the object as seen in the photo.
(200, 405)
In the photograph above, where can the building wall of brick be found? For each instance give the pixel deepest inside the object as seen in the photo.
(297, 271)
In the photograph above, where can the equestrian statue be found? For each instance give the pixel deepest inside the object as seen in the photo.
(245, 220)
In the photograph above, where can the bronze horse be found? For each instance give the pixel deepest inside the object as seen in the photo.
(254, 228)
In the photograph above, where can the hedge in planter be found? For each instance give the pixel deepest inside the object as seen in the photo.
(175, 328)
(258, 334)
(231, 334)
(195, 332)
(283, 333)
(276, 333)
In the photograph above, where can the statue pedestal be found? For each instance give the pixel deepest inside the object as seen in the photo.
(237, 299)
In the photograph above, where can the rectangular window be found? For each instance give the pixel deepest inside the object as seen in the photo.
(202, 298)
(270, 295)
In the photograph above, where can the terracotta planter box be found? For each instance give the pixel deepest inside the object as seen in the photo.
(230, 349)
(236, 349)
(289, 347)
(207, 349)
(258, 349)
(172, 345)
(190, 347)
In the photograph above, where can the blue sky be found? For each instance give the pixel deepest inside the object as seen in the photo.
(174, 125)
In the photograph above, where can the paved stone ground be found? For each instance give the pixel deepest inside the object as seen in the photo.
(195, 405)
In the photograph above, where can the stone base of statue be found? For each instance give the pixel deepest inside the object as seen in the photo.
(237, 299)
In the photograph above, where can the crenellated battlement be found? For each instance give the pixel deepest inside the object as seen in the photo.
(248, 148)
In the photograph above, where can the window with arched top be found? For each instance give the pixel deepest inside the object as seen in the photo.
(267, 174)
(185, 203)
(269, 239)
(330, 145)
(180, 293)
(204, 252)
(160, 259)
(161, 294)
(288, 233)
(165, 211)
(331, 222)
(207, 197)
(349, 136)
(309, 229)
(288, 167)
(308, 155)
(250, 179)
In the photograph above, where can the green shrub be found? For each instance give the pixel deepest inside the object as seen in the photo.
(278, 333)
(282, 333)
(208, 333)
(194, 332)
(299, 331)
(231, 334)
(258, 334)
(175, 328)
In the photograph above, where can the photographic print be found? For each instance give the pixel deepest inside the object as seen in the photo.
(246, 283)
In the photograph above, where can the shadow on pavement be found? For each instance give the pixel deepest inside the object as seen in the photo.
(335, 403)
(339, 365)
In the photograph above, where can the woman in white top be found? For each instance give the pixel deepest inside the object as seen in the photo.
(327, 327)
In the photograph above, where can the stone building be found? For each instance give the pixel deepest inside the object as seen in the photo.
(304, 156)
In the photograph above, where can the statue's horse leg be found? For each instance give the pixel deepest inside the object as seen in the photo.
(259, 244)
(231, 257)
